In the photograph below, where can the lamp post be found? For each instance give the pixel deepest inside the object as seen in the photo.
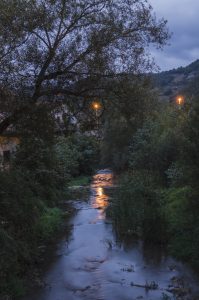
(96, 106)
(180, 100)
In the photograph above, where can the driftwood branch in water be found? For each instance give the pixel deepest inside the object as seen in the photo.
(148, 286)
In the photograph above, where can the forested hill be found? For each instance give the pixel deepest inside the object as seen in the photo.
(170, 83)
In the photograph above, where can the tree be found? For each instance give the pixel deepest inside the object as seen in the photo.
(13, 35)
(190, 157)
(13, 29)
(131, 103)
(69, 48)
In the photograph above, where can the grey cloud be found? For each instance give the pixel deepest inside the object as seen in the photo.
(183, 22)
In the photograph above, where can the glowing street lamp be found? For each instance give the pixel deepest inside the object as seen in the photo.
(180, 100)
(96, 106)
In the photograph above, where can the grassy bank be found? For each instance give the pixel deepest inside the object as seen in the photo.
(21, 246)
(32, 189)
(158, 199)
(31, 225)
(80, 181)
(141, 208)
(136, 208)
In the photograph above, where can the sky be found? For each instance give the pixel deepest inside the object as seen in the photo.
(183, 22)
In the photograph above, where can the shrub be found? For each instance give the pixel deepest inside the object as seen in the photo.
(137, 207)
(21, 211)
(48, 223)
(182, 210)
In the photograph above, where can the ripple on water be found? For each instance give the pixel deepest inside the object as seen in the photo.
(92, 266)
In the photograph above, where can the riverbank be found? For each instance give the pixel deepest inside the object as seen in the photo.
(33, 217)
(94, 264)
(47, 248)
(50, 229)
(157, 214)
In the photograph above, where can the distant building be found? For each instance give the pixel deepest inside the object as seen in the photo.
(8, 145)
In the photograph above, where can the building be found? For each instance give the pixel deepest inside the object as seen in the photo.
(8, 145)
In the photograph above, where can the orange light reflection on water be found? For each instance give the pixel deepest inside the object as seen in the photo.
(100, 201)
(101, 180)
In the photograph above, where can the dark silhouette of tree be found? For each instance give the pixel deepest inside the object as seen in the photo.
(66, 50)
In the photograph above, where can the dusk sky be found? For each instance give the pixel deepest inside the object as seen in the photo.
(183, 22)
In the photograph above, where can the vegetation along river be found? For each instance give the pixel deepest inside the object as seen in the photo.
(93, 265)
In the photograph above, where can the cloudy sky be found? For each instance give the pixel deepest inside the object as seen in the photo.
(183, 22)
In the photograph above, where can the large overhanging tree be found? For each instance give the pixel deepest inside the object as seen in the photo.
(63, 50)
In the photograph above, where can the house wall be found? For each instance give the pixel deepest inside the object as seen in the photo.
(7, 145)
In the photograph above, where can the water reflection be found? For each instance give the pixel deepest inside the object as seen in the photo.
(153, 254)
(100, 191)
(93, 266)
(101, 182)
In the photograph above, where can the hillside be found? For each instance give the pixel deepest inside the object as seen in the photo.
(173, 82)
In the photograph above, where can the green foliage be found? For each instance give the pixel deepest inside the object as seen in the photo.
(157, 145)
(131, 102)
(88, 153)
(182, 207)
(162, 183)
(183, 78)
(48, 223)
(141, 150)
(56, 65)
(175, 174)
(76, 155)
(183, 225)
(24, 221)
(37, 160)
(153, 150)
(30, 190)
(67, 156)
(80, 181)
(115, 144)
(190, 154)
(137, 208)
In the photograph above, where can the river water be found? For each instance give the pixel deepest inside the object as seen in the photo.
(93, 266)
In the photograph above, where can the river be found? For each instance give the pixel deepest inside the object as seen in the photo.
(92, 265)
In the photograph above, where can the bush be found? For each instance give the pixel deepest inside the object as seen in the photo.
(76, 155)
(48, 223)
(67, 156)
(182, 210)
(29, 192)
(24, 221)
(88, 148)
(155, 147)
(137, 208)
(80, 181)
